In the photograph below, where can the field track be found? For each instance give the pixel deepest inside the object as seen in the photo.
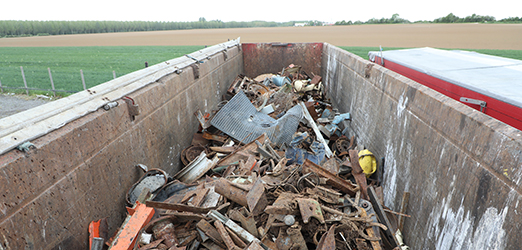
(464, 36)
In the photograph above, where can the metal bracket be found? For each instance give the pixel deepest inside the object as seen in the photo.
(482, 104)
(195, 59)
(202, 119)
(368, 69)
(133, 107)
(225, 55)
(110, 105)
(26, 146)
(195, 70)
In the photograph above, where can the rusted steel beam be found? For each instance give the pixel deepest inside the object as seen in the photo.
(246, 219)
(375, 244)
(240, 243)
(299, 243)
(225, 236)
(178, 207)
(211, 232)
(163, 228)
(404, 205)
(358, 173)
(310, 208)
(335, 181)
(223, 187)
(327, 241)
(248, 149)
(381, 215)
(256, 198)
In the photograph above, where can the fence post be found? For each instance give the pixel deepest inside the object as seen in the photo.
(83, 80)
(52, 83)
(114, 74)
(25, 82)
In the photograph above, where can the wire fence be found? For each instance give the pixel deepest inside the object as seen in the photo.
(68, 84)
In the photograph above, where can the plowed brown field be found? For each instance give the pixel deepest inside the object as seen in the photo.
(465, 36)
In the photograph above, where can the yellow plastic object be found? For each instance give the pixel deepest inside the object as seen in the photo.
(367, 162)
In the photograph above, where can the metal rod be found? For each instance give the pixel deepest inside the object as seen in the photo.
(25, 82)
(114, 74)
(404, 206)
(83, 80)
(52, 82)
(397, 213)
(1, 88)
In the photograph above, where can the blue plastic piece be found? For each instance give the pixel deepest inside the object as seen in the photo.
(280, 80)
(299, 155)
(339, 118)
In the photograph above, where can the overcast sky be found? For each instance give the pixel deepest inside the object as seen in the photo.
(267, 10)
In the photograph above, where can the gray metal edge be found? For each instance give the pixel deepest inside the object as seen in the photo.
(36, 122)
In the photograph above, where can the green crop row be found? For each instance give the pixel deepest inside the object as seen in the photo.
(65, 63)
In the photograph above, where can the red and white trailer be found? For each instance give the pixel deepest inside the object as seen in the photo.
(487, 83)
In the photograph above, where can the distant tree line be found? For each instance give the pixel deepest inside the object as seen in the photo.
(450, 18)
(10, 28)
(42, 28)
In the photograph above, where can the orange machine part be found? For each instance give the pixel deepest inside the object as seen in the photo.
(140, 216)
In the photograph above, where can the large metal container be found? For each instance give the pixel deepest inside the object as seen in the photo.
(462, 168)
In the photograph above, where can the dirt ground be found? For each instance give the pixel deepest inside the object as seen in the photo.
(464, 36)
(12, 104)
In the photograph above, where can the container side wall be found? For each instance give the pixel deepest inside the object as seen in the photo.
(82, 171)
(261, 58)
(462, 168)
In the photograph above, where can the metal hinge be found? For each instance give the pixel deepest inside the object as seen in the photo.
(132, 106)
(482, 104)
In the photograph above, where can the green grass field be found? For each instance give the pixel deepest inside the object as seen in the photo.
(98, 63)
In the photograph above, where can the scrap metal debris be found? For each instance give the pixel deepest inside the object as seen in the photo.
(270, 168)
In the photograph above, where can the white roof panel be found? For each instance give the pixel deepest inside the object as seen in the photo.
(497, 77)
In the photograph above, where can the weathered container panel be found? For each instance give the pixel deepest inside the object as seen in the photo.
(261, 58)
(461, 167)
(82, 171)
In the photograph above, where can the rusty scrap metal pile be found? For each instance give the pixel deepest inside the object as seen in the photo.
(271, 168)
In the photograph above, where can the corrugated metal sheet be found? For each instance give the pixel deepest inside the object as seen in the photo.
(240, 119)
